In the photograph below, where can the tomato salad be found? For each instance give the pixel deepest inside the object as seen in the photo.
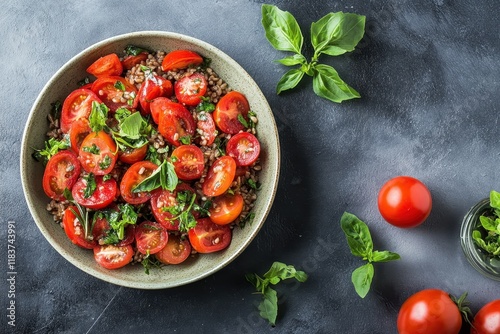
(153, 160)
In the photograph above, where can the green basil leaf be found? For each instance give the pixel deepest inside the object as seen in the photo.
(168, 178)
(91, 185)
(133, 50)
(150, 183)
(384, 256)
(98, 116)
(296, 59)
(269, 306)
(52, 146)
(131, 126)
(362, 279)
(357, 234)
(495, 199)
(488, 223)
(282, 30)
(289, 80)
(337, 33)
(328, 84)
(282, 271)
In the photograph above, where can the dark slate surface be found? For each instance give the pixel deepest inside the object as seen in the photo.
(428, 75)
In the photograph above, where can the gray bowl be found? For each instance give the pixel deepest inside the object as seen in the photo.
(65, 80)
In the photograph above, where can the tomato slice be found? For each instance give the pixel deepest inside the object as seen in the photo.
(133, 155)
(190, 89)
(162, 200)
(158, 106)
(78, 104)
(154, 86)
(61, 172)
(179, 59)
(116, 92)
(130, 61)
(77, 133)
(97, 153)
(132, 177)
(74, 229)
(220, 176)
(103, 195)
(228, 110)
(113, 257)
(106, 65)
(206, 128)
(244, 147)
(226, 208)
(176, 251)
(176, 124)
(208, 237)
(150, 237)
(188, 162)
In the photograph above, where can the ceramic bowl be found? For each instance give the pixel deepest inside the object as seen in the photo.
(65, 80)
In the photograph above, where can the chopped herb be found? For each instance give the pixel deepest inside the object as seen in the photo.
(91, 185)
(205, 105)
(148, 262)
(153, 155)
(118, 220)
(242, 120)
(220, 143)
(84, 81)
(98, 117)
(253, 184)
(186, 140)
(133, 50)
(248, 219)
(164, 176)
(133, 130)
(91, 149)
(119, 85)
(121, 114)
(52, 146)
(206, 62)
(182, 210)
(107, 177)
(105, 163)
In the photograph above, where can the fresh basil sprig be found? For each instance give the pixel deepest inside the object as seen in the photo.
(333, 35)
(164, 176)
(487, 234)
(278, 272)
(360, 242)
(52, 146)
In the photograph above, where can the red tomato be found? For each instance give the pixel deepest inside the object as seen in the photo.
(74, 229)
(176, 124)
(190, 89)
(179, 59)
(188, 162)
(77, 105)
(220, 176)
(150, 237)
(114, 91)
(97, 153)
(130, 61)
(153, 87)
(226, 208)
(163, 199)
(61, 172)
(487, 320)
(157, 107)
(104, 194)
(228, 109)
(113, 257)
(132, 177)
(244, 147)
(208, 237)
(404, 202)
(206, 128)
(77, 133)
(105, 66)
(133, 155)
(431, 312)
(176, 251)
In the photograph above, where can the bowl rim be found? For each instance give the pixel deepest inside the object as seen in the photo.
(25, 156)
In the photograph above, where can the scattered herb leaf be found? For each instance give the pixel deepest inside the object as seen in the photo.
(52, 146)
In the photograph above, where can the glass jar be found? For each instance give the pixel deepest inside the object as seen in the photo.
(480, 260)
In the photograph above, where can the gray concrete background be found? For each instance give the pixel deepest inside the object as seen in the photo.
(428, 75)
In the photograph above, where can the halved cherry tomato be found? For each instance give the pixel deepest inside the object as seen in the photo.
(226, 208)
(176, 124)
(77, 133)
(74, 229)
(130, 61)
(103, 195)
(78, 104)
(208, 237)
(133, 155)
(61, 172)
(188, 162)
(176, 251)
(179, 59)
(228, 110)
(150, 237)
(162, 200)
(244, 147)
(106, 65)
(487, 319)
(157, 106)
(190, 89)
(102, 228)
(114, 91)
(220, 176)
(97, 153)
(132, 177)
(206, 128)
(154, 86)
(113, 257)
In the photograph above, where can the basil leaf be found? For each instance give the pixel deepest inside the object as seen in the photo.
(133, 50)
(164, 176)
(296, 59)
(52, 146)
(281, 271)
(488, 223)
(282, 30)
(495, 199)
(98, 116)
(91, 185)
(337, 33)
(357, 234)
(328, 84)
(362, 279)
(131, 126)
(269, 306)
(384, 256)
(289, 80)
